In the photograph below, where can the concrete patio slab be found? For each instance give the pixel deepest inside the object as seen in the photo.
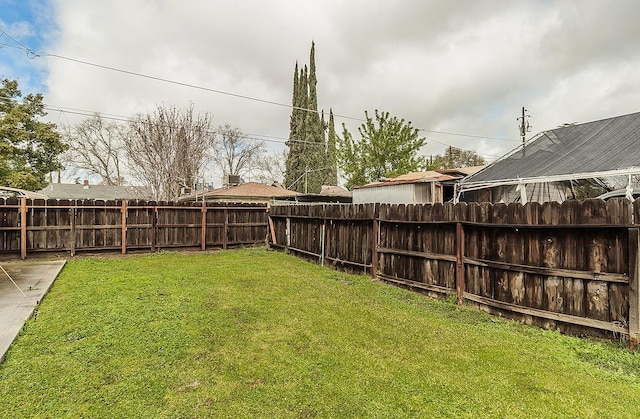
(33, 278)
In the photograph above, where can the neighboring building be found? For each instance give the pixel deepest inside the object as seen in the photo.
(101, 192)
(7, 192)
(575, 161)
(328, 195)
(250, 192)
(430, 187)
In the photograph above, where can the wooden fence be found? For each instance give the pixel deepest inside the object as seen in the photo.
(573, 266)
(29, 226)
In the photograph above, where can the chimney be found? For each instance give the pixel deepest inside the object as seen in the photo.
(86, 184)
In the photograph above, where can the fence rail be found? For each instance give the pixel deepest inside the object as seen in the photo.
(572, 266)
(30, 226)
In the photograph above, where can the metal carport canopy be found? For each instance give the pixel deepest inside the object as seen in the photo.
(474, 186)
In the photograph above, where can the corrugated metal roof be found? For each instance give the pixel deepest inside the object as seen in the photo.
(413, 177)
(608, 144)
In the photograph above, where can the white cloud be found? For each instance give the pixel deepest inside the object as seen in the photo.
(460, 67)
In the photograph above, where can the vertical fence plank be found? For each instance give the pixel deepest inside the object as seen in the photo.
(288, 233)
(634, 287)
(374, 248)
(272, 230)
(323, 241)
(225, 230)
(23, 228)
(535, 239)
(123, 230)
(459, 262)
(154, 228)
(73, 213)
(203, 227)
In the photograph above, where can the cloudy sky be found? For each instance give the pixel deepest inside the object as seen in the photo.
(459, 70)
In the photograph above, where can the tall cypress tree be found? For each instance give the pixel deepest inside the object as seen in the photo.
(313, 82)
(307, 145)
(294, 163)
(331, 174)
(304, 137)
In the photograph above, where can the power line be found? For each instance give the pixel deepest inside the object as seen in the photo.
(165, 80)
(260, 137)
(265, 138)
(32, 54)
(467, 135)
(449, 145)
(122, 118)
(251, 136)
(4, 33)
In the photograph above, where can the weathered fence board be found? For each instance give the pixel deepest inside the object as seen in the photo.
(545, 263)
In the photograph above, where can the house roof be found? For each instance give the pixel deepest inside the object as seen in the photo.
(331, 190)
(254, 189)
(103, 192)
(328, 194)
(461, 171)
(594, 147)
(246, 190)
(413, 177)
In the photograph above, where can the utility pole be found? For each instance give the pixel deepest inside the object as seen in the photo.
(306, 175)
(524, 125)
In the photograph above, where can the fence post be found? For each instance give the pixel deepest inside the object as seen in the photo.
(460, 262)
(72, 239)
(323, 240)
(123, 232)
(154, 222)
(374, 247)
(634, 287)
(203, 233)
(288, 234)
(23, 228)
(226, 229)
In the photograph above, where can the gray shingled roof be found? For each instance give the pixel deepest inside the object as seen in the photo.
(103, 192)
(599, 146)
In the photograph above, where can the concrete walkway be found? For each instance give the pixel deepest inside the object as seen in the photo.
(34, 278)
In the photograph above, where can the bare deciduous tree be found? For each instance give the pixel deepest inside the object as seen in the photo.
(272, 167)
(235, 153)
(168, 149)
(97, 147)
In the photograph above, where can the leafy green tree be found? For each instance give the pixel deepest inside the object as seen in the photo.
(29, 148)
(455, 158)
(388, 147)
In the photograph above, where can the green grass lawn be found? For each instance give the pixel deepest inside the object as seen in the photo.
(253, 333)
